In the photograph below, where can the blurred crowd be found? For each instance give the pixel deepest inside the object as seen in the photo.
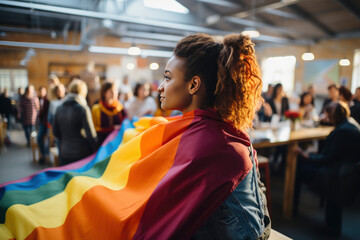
(78, 118)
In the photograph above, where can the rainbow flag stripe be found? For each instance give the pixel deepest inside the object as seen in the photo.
(157, 178)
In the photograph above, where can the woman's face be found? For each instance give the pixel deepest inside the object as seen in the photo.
(111, 95)
(174, 91)
(144, 91)
(307, 99)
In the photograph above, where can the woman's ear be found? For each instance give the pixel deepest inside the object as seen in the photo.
(195, 84)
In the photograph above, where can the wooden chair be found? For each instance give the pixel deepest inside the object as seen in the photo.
(263, 163)
(54, 151)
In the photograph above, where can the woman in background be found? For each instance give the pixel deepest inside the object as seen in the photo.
(29, 107)
(73, 125)
(307, 110)
(108, 113)
(279, 102)
(141, 104)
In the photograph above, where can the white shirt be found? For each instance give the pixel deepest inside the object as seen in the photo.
(139, 108)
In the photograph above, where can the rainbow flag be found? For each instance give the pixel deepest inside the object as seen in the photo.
(159, 179)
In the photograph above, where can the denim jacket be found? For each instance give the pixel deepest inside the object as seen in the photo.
(243, 215)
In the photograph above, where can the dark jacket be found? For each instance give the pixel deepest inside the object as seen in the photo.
(43, 113)
(339, 162)
(284, 106)
(70, 118)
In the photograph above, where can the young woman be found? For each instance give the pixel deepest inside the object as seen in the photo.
(279, 102)
(220, 84)
(108, 113)
(306, 108)
(142, 103)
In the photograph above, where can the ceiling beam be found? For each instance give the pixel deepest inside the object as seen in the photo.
(63, 47)
(264, 8)
(246, 13)
(281, 13)
(252, 23)
(127, 19)
(351, 7)
(114, 17)
(222, 3)
(308, 17)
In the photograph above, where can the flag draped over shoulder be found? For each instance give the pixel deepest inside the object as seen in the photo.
(160, 180)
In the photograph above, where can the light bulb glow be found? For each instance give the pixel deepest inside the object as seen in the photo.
(154, 66)
(308, 56)
(344, 62)
(251, 32)
(134, 51)
(130, 66)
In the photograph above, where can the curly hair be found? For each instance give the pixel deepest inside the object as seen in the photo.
(230, 72)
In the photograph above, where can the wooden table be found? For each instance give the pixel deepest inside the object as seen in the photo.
(283, 136)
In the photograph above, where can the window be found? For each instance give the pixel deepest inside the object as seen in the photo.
(12, 79)
(279, 70)
(356, 71)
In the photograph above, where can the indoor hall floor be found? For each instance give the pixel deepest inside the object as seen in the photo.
(16, 162)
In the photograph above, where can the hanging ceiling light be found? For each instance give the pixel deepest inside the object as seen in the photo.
(344, 62)
(308, 56)
(251, 32)
(154, 66)
(135, 51)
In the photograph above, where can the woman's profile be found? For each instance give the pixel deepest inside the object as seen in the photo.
(220, 84)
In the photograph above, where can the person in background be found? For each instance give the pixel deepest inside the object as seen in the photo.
(324, 172)
(333, 91)
(141, 104)
(43, 124)
(345, 95)
(109, 113)
(306, 109)
(59, 91)
(355, 109)
(17, 98)
(6, 107)
(356, 96)
(279, 102)
(52, 83)
(90, 76)
(268, 94)
(29, 107)
(73, 125)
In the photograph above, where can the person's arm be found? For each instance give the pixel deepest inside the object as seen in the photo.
(95, 113)
(88, 125)
(55, 126)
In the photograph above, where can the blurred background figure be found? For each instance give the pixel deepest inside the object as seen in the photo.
(29, 107)
(52, 83)
(73, 125)
(355, 109)
(142, 103)
(334, 172)
(268, 94)
(92, 80)
(6, 107)
(43, 125)
(345, 95)
(307, 109)
(279, 102)
(333, 96)
(59, 91)
(109, 113)
(125, 90)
